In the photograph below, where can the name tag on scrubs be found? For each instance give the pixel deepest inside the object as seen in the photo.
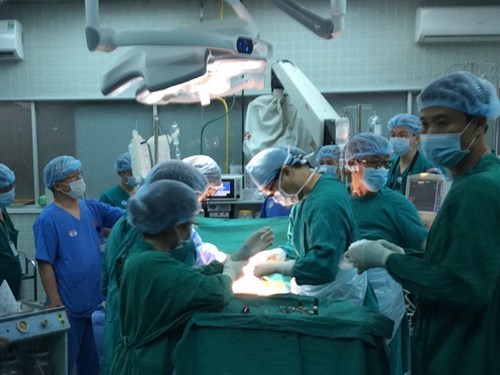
(13, 248)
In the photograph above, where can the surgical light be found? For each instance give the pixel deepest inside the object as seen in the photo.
(188, 64)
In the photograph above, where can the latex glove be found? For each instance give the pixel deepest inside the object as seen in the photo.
(394, 248)
(256, 242)
(266, 269)
(367, 254)
(233, 268)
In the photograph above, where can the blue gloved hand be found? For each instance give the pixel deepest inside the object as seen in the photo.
(366, 254)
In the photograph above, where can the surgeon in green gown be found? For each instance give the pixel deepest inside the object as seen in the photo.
(322, 224)
(120, 244)
(10, 268)
(384, 214)
(158, 293)
(405, 131)
(456, 279)
(118, 195)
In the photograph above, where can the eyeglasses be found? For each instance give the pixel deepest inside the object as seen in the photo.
(7, 188)
(377, 164)
(75, 176)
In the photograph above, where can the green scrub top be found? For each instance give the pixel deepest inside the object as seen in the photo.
(397, 179)
(390, 216)
(456, 324)
(10, 268)
(124, 240)
(321, 228)
(116, 197)
(158, 295)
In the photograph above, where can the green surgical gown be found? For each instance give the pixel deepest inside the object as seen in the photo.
(322, 226)
(390, 216)
(397, 179)
(10, 268)
(116, 197)
(158, 295)
(457, 280)
(123, 240)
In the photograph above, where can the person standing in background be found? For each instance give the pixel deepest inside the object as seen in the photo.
(118, 195)
(68, 234)
(328, 159)
(10, 268)
(405, 137)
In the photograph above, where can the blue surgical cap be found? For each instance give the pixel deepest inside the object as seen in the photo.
(264, 167)
(207, 166)
(57, 169)
(328, 151)
(464, 92)
(178, 171)
(411, 122)
(123, 163)
(7, 177)
(366, 144)
(161, 206)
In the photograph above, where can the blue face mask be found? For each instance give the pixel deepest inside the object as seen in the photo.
(374, 178)
(132, 182)
(7, 198)
(328, 169)
(400, 145)
(444, 149)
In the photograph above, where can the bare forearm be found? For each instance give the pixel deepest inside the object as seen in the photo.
(49, 283)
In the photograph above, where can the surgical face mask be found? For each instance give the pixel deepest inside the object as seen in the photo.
(328, 169)
(444, 149)
(77, 189)
(7, 198)
(374, 178)
(289, 199)
(131, 181)
(401, 145)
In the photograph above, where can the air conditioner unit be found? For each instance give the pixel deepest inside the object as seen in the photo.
(11, 40)
(458, 24)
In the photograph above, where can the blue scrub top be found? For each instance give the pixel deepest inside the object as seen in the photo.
(72, 247)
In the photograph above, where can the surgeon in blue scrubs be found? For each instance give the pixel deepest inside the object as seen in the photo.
(68, 235)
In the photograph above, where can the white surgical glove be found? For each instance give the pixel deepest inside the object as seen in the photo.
(394, 248)
(233, 268)
(365, 254)
(255, 243)
(266, 269)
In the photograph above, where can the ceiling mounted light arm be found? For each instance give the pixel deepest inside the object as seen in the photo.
(239, 35)
(323, 27)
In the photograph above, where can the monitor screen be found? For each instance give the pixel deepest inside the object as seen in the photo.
(225, 191)
(425, 193)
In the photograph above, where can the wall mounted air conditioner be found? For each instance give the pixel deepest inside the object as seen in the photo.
(11, 40)
(458, 24)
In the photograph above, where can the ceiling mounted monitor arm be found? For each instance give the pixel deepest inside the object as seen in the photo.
(232, 34)
(323, 27)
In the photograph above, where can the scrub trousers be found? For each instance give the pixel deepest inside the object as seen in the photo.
(82, 353)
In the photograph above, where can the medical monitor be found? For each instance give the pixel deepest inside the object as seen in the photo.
(426, 191)
(230, 188)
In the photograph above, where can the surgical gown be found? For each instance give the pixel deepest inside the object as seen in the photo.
(397, 178)
(457, 280)
(158, 295)
(322, 226)
(391, 216)
(123, 240)
(116, 197)
(10, 268)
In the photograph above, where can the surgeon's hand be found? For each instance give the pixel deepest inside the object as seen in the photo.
(266, 269)
(394, 248)
(233, 268)
(366, 254)
(255, 243)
